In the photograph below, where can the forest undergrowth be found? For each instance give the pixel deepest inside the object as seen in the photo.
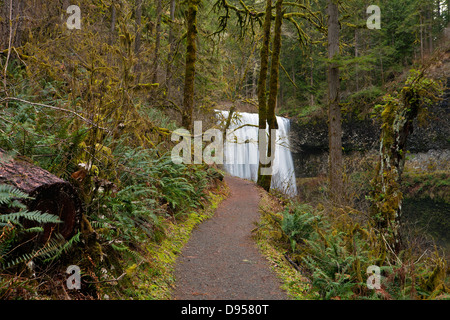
(96, 107)
(74, 105)
(334, 247)
(321, 252)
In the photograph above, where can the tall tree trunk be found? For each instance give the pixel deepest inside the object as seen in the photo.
(381, 69)
(137, 41)
(191, 56)
(311, 83)
(266, 179)
(157, 40)
(9, 42)
(274, 68)
(65, 5)
(430, 28)
(17, 18)
(254, 79)
(421, 36)
(171, 52)
(294, 91)
(113, 24)
(448, 12)
(262, 102)
(334, 111)
(356, 56)
(397, 124)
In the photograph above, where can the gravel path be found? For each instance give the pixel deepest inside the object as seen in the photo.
(221, 260)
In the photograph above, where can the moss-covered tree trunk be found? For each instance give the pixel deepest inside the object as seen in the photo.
(191, 55)
(170, 54)
(157, 40)
(334, 110)
(271, 119)
(138, 15)
(262, 99)
(274, 68)
(397, 124)
(137, 41)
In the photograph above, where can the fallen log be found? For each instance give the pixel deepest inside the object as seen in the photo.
(49, 194)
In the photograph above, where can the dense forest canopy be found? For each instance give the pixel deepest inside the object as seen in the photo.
(92, 91)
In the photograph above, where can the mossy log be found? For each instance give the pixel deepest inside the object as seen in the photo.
(48, 194)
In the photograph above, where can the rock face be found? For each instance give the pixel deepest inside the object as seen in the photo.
(436, 133)
(357, 135)
(310, 141)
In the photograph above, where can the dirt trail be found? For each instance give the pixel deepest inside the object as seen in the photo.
(221, 260)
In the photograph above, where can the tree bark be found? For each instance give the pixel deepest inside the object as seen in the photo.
(421, 36)
(274, 68)
(311, 83)
(113, 24)
(448, 12)
(273, 91)
(397, 124)
(50, 194)
(171, 52)
(262, 102)
(191, 56)
(356, 56)
(137, 41)
(334, 111)
(430, 29)
(157, 40)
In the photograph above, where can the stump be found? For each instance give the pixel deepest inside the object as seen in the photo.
(49, 194)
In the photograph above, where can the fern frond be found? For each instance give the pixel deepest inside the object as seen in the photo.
(30, 215)
(63, 248)
(8, 193)
(124, 248)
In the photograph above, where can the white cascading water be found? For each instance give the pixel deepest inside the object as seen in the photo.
(241, 155)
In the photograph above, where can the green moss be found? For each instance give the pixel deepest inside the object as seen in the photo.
(397, 117)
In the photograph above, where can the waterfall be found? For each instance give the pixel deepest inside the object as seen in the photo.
(241, 156)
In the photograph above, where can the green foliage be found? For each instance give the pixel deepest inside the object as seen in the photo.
(332, 267)
(298, 223)
(334, 251)
(152, 191)
(8, 193)
(83, 102)
(360, 103)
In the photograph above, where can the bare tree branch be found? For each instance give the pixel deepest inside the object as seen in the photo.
(54, 108)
